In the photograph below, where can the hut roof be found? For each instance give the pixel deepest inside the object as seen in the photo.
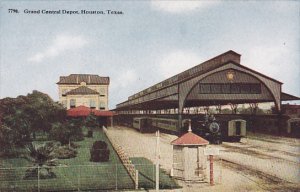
(190, 139)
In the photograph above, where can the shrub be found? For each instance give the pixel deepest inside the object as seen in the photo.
(66, 132)
(43, 161)
(64, 152)
(99, 152)
(44, 173)
(89, 133)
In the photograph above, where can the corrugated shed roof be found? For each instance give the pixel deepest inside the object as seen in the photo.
(87, 78)
(190, 139)
(83, 90)
(83, 111)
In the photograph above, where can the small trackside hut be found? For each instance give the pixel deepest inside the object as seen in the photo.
(189, 161)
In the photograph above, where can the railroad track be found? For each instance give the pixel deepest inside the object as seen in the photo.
(264, 180)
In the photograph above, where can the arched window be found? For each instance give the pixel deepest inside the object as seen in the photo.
(72, 103)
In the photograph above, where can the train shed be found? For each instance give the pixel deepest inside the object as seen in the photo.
(222, 80)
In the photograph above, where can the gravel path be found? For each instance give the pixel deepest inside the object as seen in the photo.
(279, 157)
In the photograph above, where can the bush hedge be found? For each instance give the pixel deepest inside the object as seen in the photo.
(99, 152)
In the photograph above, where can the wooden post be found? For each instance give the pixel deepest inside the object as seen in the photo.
(157, 162)
(136, 179)
(211, 169)
(38, 168)
(116, 176)
(112, 122)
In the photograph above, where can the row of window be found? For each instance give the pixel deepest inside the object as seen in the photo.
(230, 88)
(92, 104)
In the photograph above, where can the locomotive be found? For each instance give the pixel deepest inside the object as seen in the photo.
(223, 129)
(209, 129)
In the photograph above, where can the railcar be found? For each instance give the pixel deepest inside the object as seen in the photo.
(140, 123)
(234, 130)
(214, 131)
(150, 124)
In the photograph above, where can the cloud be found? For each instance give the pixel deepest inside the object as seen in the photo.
(60, 44)
(278, 62)
(269, 59)
(124, 79)
(177, 6)
(178, 61)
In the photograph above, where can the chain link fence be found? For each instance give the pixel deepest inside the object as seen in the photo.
(65, 178)
(81, 178)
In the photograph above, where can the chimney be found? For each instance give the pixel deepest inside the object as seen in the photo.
(77, 79)
(89, 79)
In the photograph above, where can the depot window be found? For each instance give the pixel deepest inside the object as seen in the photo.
(229, 88)
(102, 106)
(92, 104)
(72, 103)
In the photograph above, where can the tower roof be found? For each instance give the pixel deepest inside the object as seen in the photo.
(190, 139)
(89, 79)
(83, 90)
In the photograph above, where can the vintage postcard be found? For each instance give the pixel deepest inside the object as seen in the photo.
(149, 95)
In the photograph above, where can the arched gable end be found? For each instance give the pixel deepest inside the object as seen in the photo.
(193, 89)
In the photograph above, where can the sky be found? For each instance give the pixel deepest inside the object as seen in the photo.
(149, 42)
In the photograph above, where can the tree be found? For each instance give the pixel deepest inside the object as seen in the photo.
(91, 123)
(75, 126)
(66, 132)
(28, 114)
(20, 125)
(43, 111)
(60, 132)
(43, 161)
(7, 141)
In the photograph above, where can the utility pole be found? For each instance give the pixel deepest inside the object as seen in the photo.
(157, 162)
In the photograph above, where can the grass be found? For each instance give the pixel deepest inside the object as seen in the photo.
(80, 174)
(72, 174)
(147, 175)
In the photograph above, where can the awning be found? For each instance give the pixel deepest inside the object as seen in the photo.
(83, 111)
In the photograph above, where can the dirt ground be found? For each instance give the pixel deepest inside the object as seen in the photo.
(258, 163)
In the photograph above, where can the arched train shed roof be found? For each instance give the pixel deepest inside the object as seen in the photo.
(182, 90)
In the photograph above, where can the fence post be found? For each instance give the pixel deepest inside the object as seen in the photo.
(157, 162)
(211, 169)
(78, 177)
(221, 170)
(136, 179)
(38, 168)
(116, 176)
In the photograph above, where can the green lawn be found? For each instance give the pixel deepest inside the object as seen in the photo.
(80, 174)
(72, 174)
(147, 175)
